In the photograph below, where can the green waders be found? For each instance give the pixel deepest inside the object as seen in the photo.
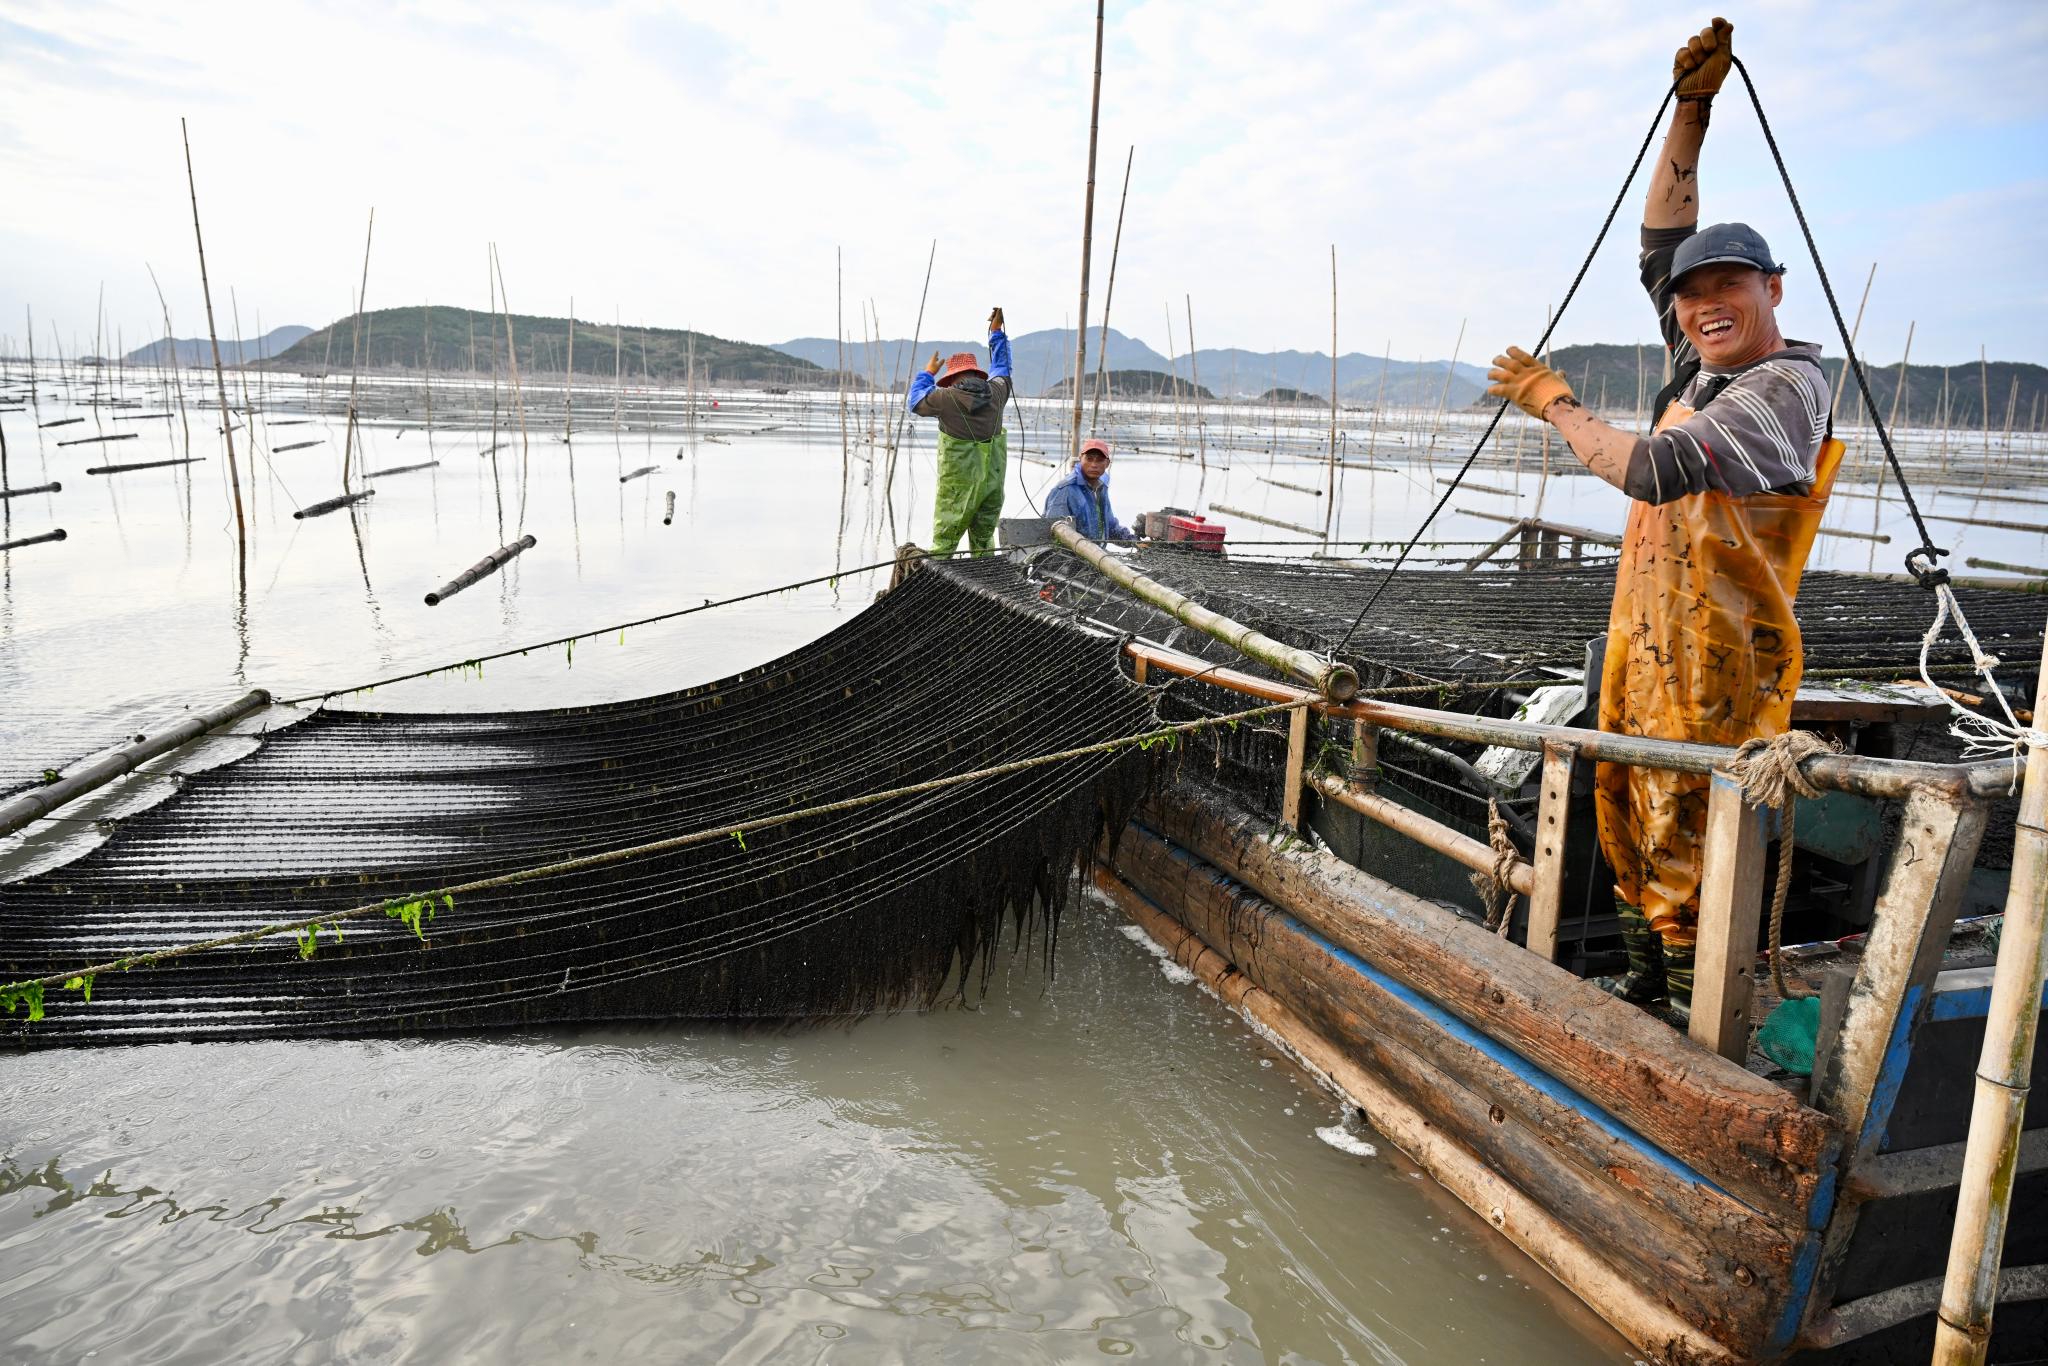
(970, 496)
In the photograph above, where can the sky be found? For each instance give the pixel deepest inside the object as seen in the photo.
(708, 165)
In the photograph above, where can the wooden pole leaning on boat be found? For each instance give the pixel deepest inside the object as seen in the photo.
(1336, 682)
(1962, 1329)
(488, 565)
(38, 802)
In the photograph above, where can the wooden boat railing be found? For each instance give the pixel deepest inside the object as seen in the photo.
(1943, 802)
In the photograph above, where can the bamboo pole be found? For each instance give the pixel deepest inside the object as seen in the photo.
(1336, 682)
(356, 361)
(1330, 507)
(39, 802)
(1856, 330)
(427, 368)
(220, 379)
(1109, 296)
(1087, 240)
(1195, 394)
(489, 564)
(569, 380)
(518, 399)
(1962, 1330)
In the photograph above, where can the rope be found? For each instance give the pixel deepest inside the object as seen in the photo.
(1496, 892)
(738, 830)
(1770, 774)
(1500, 412)
(1981, 735)
(1926, 572)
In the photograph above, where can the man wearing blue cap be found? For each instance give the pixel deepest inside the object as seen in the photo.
(1728, 491)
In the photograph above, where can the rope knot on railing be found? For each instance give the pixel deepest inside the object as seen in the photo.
(1769, 773)
(1495, 886)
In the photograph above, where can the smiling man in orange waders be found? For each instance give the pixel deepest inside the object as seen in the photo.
(1728, 492)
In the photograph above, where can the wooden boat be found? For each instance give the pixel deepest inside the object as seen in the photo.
(1709, 1213)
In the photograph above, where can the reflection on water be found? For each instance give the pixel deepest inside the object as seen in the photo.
(1106, 1164)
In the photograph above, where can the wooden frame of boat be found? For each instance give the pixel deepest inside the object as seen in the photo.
(1709, 1214)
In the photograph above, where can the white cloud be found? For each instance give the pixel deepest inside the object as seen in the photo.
(698, 164)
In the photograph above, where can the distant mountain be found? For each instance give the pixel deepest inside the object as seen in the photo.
(1606, 377)
(1137, 384)
(1042, 359)
(199, 351)
(453, 340)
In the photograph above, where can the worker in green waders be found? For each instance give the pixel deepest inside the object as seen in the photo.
(968, 403)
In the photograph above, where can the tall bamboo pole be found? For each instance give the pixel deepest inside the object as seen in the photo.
(1330, 501)
(518, 398)
(839, 380)
(1962, 1329)
(427, 370)
(1109, 295)
(219, 377)
(355, 369)
(1087, 238)
(569, 382)
(1195, 393)
(1984, 383)
(1855, 331)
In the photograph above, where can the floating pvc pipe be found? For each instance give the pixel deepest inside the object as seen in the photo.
(57, 535)
(96, 440)
(635, 474)
(39, 802)
(54, 488)
(488, 565)
(297, 446)
(402, 469)
(143, 465)
(669, 516)
(321, 509)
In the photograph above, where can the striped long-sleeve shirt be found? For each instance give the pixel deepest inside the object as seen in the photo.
(1755, 429)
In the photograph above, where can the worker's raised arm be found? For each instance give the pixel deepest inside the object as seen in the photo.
(924, 381)
(1699, 68)
(998, 350)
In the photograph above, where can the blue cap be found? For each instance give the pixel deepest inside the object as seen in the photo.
(1724, 244)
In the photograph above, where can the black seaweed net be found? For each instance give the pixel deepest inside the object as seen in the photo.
(881, 907)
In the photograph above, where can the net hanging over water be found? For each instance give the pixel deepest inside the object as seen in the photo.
(878, 907)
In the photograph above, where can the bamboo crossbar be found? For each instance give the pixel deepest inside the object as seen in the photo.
(53, 487)
(1453, 844)
(1331, 680)
(38, 802)
(1856, 773)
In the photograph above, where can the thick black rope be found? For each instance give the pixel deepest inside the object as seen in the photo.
(1920, 563)
(1500, 412)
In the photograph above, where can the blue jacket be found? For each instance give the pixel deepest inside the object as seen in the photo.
(923, 382)
(1088, 507)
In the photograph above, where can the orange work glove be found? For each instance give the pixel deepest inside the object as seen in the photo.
(1532, 385)
(1702, 64)
(995, 320)
(932, 366)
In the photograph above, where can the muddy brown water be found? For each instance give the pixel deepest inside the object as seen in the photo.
(1102, 1162)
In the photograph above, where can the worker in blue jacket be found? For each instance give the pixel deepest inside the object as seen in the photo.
(1084, 497)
